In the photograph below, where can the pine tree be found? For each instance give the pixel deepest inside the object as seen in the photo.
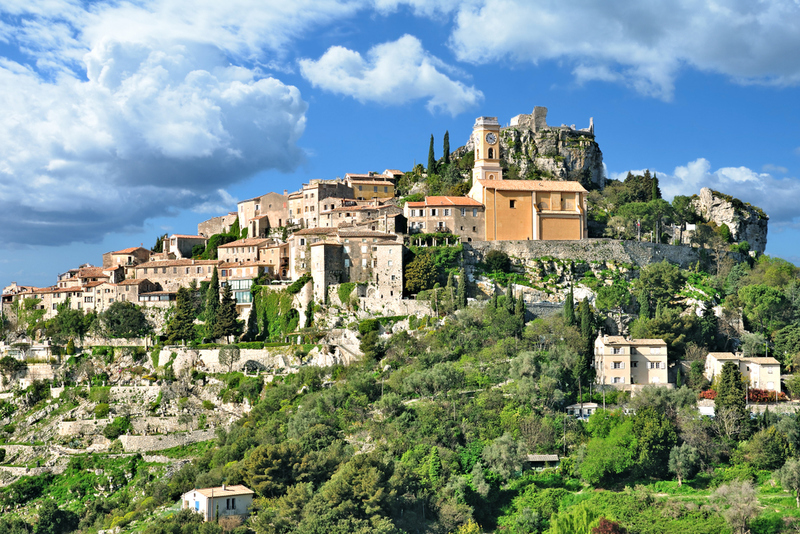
(212, 302)
(431, 159)
(227, 323)
(446, 147)
(461, 292)
(181, 326)
(569, 307)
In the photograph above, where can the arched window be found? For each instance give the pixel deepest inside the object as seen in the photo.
(491, 153)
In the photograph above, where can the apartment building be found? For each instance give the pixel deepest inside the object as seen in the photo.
(760, 372)
(462, 216)
(623, 362)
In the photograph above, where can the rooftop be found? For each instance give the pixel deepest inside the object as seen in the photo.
(247, 242)
(445, 201)
(225, 491)
(533, 185)
(130, 250)
(621, 340)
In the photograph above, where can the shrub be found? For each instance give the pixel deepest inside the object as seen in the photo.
(119, 426)
(368, 325)
(497, 260)
(101, 410)
(709, 394)
(251, 345)
(298, 284)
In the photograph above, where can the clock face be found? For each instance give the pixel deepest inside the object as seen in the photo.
(491, 138)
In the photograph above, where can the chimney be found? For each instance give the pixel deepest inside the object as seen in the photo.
(285, 192)
(223, 487)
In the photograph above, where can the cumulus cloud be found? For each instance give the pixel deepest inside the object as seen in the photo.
(132, 111)
(392, 73)
(639, 44)
(776, 196)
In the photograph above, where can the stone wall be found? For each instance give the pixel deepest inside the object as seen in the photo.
(155, 443)
(589, 250)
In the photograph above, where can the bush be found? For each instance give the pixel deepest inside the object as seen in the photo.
(709, 394)
(101, 410)
(258, 345)
(298, 284)
(368, 325)
(119, 426)
(497, 260)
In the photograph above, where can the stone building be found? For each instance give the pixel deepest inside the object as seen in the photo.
(371, 186)
(173, 274)
(625, 363)
(295, 201)
(300, 248)
(248, 249)
(463, 216)
(217, 225)
(358, 256)
(316, 193)
(127, 258)
(261, 213)
(180, 246)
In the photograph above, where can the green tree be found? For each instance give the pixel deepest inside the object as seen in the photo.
(125, 319)
(228, 356)
(421, 274)
(764, 306)
(656, 435)
(227, 323)
(569, 307)
(738, 503)
(587, 326)
(461, 292)
(251, 332)
(790, 478)
(181, 326)
(731, 391)
(684, 461)
(212, 303)
(503, 456)
(53, 520)
(655, 193)
(767, 449)
(659, 283)
(497, 261)
(446, 147)
(431, 159)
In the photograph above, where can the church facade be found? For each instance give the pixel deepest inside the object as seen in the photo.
(522, 209)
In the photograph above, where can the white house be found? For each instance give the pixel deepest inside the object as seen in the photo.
(213, 503)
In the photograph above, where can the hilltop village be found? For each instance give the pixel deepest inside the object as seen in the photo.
(475, 346)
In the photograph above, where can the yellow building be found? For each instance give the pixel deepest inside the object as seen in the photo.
(624, 363)
(522, 209)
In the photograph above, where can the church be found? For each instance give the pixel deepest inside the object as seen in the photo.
(517, 210)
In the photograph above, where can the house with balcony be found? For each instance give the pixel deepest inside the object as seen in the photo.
(626, 363)
(462, 216)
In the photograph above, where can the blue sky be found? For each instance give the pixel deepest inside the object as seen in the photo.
(126, 120)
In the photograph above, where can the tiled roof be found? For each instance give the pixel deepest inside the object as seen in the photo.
(620, 340)
(129, 250)
(176, 263)
(236, 264)
(92, 272)
(763, 360)
(229, 491)
(315, 231)
(133, 282)
(533, 185)
(93, 284)
(183, 236)
(445, 201)
(393, 171)
(247, 242)
(724, 355)
(542, 457)
(358, 176)
(365, 233)
(386, 183)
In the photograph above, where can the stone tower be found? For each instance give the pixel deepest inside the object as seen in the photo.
(486, 137)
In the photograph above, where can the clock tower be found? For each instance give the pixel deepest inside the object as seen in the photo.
(486, 137)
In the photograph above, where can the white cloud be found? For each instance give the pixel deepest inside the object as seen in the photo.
(392, 73)
(639, 44)
(769, 167)
(134, 111)
(776, 196)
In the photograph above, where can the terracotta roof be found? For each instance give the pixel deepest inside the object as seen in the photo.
(533, 185)
(315, 231)
(235, 264)
(158, 293)
(229, 491)
(176, 263)
(393, 171)
(297, 194)
(93, 284)
(723, 355)
(359, 176)
(445, 201)
(247, 242)
(763, 360)
(385, 183)
(90, 272)
(183, 236)
(620, 340)
(133, 282)
(129, 250)
(365, 233)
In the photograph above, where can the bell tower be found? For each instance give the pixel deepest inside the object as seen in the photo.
(486, 137)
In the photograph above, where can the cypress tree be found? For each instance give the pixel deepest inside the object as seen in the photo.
(227, 323)
(510, 297)
(586, 320)
(519, 310)
(461, 292)
(569, 307)
(252, 324)
(446, 147)
(431, 159)
(656, 192)
(644, 306)
(181, 326)
(212, 302)
(730, 392)
(450, 293)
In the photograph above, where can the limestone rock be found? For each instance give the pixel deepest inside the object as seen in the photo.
(746, 222)
(539, 151)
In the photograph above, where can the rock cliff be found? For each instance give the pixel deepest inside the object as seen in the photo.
(746, 222)
(531, 149)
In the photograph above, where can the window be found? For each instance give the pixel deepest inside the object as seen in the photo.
(347, 262)
(375, 189)
(302, 242)
(616, 350)
(390, 264)
(512, 204)
(374, 262)
(618, 365)
(363, 262)
(440, 224)
(474, 228)
(769, 370)
(446, 212)
(374, 248)
(491, 153)
(187, 270)
(386, 189)
(363, 249)
(224, 272)
(163, 270)
(463, 212)
(174, 270)
(474, 212)
(634, 364)
(434, 211)
(619, 380)
(360, 188)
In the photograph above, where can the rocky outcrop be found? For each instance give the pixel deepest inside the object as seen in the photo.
(746, 222)
(538, 151)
